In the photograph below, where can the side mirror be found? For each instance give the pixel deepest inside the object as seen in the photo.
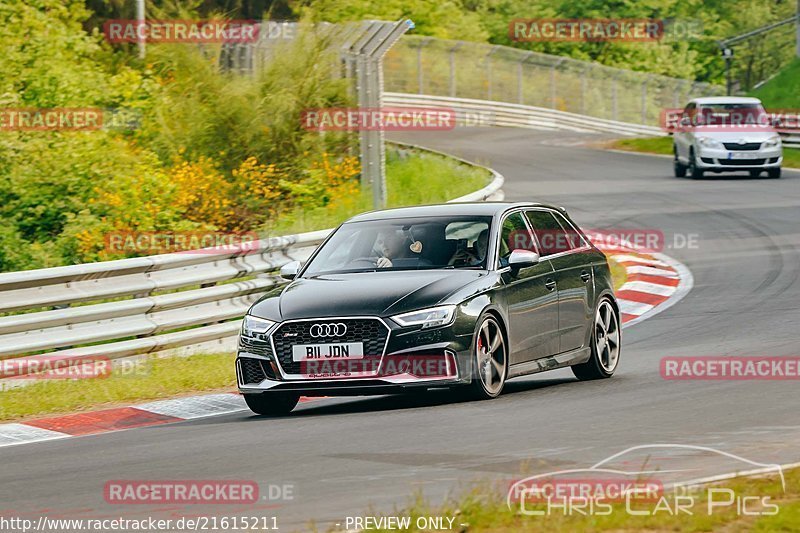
(289, 270)
(522, 258)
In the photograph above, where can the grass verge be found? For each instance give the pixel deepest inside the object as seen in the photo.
(781, 91)
(485, 510)
(663, 145)
(412, 178)
(154, 378)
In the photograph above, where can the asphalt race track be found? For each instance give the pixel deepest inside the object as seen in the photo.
(344, 455)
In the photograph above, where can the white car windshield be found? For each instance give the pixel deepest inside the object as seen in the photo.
(404, 244)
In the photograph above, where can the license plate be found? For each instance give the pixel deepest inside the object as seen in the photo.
(328, 352)
(742, 155)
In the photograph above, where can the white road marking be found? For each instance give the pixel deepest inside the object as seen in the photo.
(15, 433)
(652, 271)
(196, 406)
(633, 308)
(652, 288)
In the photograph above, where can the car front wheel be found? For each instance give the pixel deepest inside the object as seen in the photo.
(695, 172)
(490, 359)
(677, 166)
(774, 173)
(605, 344)
(271, 404)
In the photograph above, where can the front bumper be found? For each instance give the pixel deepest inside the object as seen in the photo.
(720, 160)
(413, 359)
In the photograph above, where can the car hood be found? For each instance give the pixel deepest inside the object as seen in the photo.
(364, 293)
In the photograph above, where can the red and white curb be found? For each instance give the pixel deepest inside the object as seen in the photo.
(120, 418)
(654, 283)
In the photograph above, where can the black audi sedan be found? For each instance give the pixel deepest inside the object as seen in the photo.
(462, 296)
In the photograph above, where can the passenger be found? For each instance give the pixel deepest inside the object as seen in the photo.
(476, 258)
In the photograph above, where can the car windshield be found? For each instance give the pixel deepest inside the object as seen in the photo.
(731, 114)
(405, 244)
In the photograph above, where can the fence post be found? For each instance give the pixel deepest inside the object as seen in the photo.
(644, 101)
(614, 110)
(489, 72)
(583, 89)
(453, 69)
(422, 44)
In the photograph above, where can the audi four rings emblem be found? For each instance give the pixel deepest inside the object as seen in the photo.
(328, 330)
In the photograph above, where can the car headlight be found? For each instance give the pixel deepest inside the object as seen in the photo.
(773, 141)
(708, 142)
(252, 325)
(427, 318)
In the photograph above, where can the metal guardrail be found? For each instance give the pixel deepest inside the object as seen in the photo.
(207, 306)
(489, 113)
(790, 138)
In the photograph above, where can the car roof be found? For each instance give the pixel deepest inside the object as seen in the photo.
(449, 209)
(727, 100)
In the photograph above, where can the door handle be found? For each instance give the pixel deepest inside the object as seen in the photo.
(550, 283)
(585, 276)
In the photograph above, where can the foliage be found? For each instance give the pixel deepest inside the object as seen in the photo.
(203, 142)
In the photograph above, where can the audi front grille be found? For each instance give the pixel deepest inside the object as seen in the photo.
(371, 331)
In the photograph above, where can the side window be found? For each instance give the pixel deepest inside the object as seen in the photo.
(576, 238)
(552, 237)
(514, 235)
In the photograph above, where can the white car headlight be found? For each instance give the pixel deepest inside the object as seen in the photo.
(708, 142)
(427, 318)
(252, 325)
(773, 141)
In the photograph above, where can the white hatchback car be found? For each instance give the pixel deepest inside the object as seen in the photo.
(726, 134)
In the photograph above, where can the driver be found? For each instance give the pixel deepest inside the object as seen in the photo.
(391, 245)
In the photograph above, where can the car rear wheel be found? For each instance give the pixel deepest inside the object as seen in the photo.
(491, 360)
(774, 173)
(605, 344)
(677, 166)
(695, 172)
(272, 404)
